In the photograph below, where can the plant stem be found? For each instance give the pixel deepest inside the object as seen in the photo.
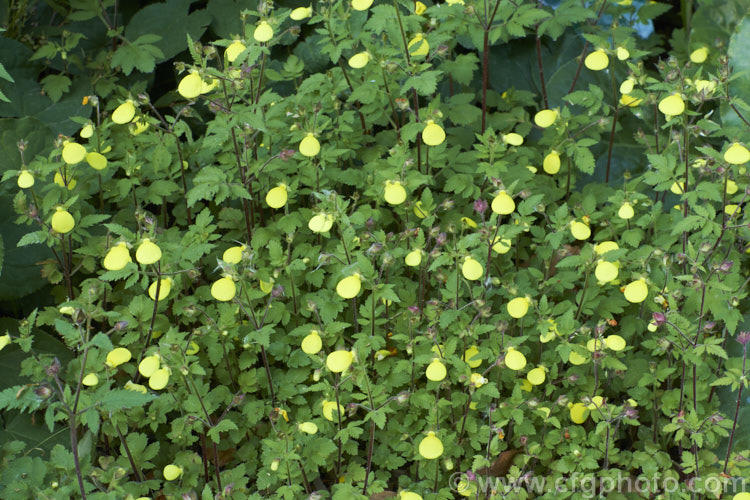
(583, 293)
(541, 69)
(736, 410)
(245, 182)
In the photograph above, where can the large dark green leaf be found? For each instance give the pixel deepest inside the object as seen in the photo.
(20, 274)
(225, 16)
(728, 400)
(30, 429)
(26, 94)
(170, 20)
(740, 87)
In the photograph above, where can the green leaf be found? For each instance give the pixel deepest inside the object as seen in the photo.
(462, 68)
(131, 56)
(170, 20)
(120, 399)
(425, 83)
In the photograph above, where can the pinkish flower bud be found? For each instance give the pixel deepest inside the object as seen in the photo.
(286, 154)
(480, 206)
(659, 318)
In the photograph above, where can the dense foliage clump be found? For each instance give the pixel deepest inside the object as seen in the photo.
(365, 249)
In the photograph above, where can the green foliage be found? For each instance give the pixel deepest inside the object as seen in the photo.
(263, 281)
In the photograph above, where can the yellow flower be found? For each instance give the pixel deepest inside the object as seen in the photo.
(87, 131)
(164, 288)
(615, 342)
(349, 287)
(577, 359)
(578, 413)
(308, 427)
(731, 186)
(545, 118)
(413, 258)
(90, 380)
(605, 246)
(431, 447)
(207, 86)
(130, 386)
(514, 359)
(705, 86)
(419, 210)
(233, 255)
(277, 197)
(470, 357)
(537, 376)
(124, 113)
(190, 85)
(148, 252)
(118, 356)
(436, 370)
(626, 211)
(359, 60)
(159, 379)
(501, 245)
(419, 8)
(636, 291)
(234, 50)
(172, 472)
(312, 343)
(518, 307)
(25, 179)
(469, 222)
(503, 204)
(139, 126)
(732, 210)
(97, 161)
(329, 407)
(678, 187)
(737, 154)
(419, 44)
(626, 86)
(596, 402)
(699, 55)
(320, 223)
(117, 257)
(309, 146)
(301, 13)
(395, 194)
(622, 53)
(149, 365)
(630, 101)
(472, 269)
(361, 4)
(597, 60)
(594, 345)
(73, 153)
(672, 105)
(62, 221)
(408, 495)
(339, 361)
(58, 179)
(223, 289)
(579, 230)
(433, 134)
(263, 33)
(477, 380)
(551, 163)
(513, 139)
(606, 271)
